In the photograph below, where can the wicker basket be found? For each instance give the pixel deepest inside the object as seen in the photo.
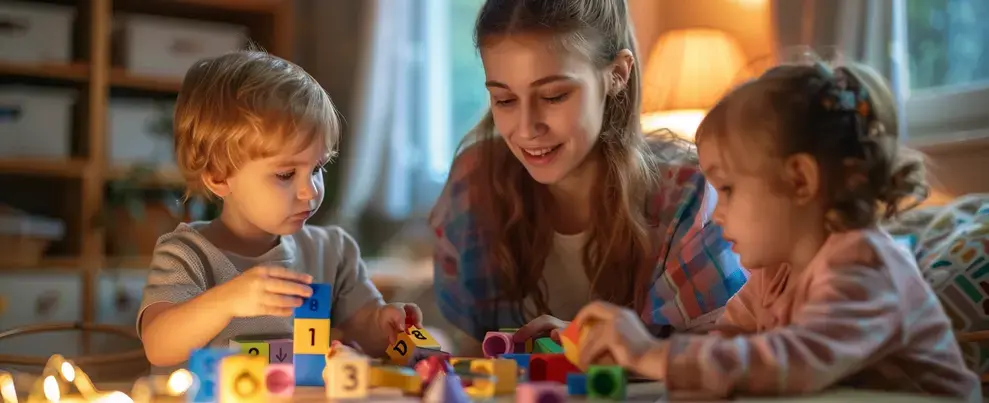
(24, 238)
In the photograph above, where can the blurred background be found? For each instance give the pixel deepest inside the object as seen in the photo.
(87, 177)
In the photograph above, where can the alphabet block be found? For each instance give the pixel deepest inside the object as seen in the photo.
(505, 372)
(404, 347)
(346, 377)
(424, 353)
(550, 367)
(280, 351)
(571, 338)
(242, 379)
(251, 347)
(546, 345)
(204, 363)
(522, 360)
(312, 336)
(390, 376)
(309, 369)
(279, 378)
(606, 382)
(540, 392)
(318, 305)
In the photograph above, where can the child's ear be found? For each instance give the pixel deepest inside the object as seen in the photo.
(218, 187)
(621, 70)
(803, 175)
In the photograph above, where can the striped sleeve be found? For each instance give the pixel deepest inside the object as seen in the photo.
(463, 282)
(697, 272)
(178, 273)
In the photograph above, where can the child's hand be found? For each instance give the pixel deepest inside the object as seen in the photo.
(263, 290)
(397, 317)
(539, 326)
(614, 332)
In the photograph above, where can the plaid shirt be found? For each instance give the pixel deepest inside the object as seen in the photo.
(696, 273)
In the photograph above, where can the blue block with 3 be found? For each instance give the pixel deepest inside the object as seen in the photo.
(318, 305)
(204, 363)
(309, 369)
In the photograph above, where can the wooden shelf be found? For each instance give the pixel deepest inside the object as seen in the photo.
(68, 168)
(73, 72)
(121, 78)
(165, 177)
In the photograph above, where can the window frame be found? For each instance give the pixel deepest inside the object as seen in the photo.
(937, 117)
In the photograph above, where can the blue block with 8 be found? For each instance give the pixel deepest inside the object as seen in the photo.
(318, 305)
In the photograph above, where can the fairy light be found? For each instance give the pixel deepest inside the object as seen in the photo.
(68, 372)
(52, 392)
(179, 382)
(58, 372)
(7, 391)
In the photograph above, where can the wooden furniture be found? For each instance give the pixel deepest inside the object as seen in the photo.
(73, 189)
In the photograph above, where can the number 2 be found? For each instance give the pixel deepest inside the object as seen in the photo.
(312, 336)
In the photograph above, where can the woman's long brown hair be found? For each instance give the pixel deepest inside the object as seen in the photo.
(513, 209)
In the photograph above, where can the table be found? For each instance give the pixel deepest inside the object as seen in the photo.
(637, 392)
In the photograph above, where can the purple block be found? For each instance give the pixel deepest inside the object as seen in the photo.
(280, 351)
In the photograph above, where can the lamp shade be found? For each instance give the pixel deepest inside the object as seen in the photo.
(687, 72)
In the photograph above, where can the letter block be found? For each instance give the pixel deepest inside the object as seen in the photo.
(242, 379)
(280, 351)
(318, 305)
(346, 377)
(251, 347)
(606, 382)
(312, 336)
(279, 378)
(505, 372)
(404, 347)
(204, 363)
(309, 369)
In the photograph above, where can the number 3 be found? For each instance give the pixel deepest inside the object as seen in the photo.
(351, 376)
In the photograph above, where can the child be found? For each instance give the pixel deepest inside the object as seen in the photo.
(255, 131)
(805, 160)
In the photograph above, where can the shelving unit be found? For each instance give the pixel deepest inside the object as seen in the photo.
(80, 181)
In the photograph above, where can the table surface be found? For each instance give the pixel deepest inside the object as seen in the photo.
(637, 392)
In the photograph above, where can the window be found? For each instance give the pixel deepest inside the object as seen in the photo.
(449, 92)
(941, 72)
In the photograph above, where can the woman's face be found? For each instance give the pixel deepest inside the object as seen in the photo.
(547, 102)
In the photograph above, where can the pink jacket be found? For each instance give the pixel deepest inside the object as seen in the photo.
(859, 315)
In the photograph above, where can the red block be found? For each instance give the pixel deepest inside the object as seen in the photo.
(550, 367)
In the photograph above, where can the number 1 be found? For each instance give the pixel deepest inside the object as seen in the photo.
(312, 336)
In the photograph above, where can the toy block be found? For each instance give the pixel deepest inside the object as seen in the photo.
(540, 392)
(280, 351)
(346, 377)
(572, 337)
(446, 388)
(429, 367)
(505, 373)
(546, 345)
(424, 353)
(279, 378)
(251, 347)
(309, 369)
(391, 376)
(550, 367)
(460, 365)
(497, 343)
(606, 382)
(404, 348)
(576, 384)
(312, 336)
(522, 360)
(316, 306)
(519, 347)
(204, 363)
(242, 379)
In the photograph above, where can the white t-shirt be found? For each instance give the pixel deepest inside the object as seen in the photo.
(185, 264)
(568, 288)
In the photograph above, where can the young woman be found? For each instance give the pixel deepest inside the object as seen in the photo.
(558, 198)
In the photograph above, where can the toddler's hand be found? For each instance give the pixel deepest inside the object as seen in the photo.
(397, 317)
(263, 290)
(542, 325)
(614, 332)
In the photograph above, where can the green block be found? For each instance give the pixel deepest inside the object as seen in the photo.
(606, 382)
(462, 367)
(508, 329)
(546, 345)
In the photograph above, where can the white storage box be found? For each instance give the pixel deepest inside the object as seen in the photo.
(167, 47)
(36, 122)
(35, 32)
(24, 238)
(140, 132)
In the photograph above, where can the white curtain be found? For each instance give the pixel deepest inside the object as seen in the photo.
(859, 30)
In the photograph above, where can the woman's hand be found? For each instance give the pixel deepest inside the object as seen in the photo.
(614, 333)
(539, 326)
